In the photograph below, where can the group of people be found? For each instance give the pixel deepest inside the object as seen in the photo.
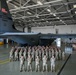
(37, 54)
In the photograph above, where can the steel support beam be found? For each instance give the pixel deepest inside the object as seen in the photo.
(41, 15)
(26, 3)
(37, 6)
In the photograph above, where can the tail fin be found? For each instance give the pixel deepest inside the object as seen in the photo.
(6, 21)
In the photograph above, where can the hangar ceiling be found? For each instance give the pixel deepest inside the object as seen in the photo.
(33, 13)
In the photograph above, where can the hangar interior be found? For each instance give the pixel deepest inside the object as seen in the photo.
(43, 18)
(43, 13)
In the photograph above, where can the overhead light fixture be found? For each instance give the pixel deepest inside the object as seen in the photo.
(57, 17)
(37, 16)
(29, 13)
(60, 20)
(48, 10)
(74, 6)
(63, 22)
(8, 1)
(42, 19)
(39, 3)
(54, 14)
(15, 6)
(75, 12)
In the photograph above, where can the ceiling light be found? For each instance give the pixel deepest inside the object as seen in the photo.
(42, 19)
(63, 22)
(8, 1)
(37, 16)
(75, 12)
(48, 10)
(29, 13)
(15, 6)
(54, 14)
(39, 3)
(74, 6)
(57, 17)
(60, 20)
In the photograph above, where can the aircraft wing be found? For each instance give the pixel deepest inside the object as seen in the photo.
(41, 35)
(17, 33)
(46, 36)
(21, 37)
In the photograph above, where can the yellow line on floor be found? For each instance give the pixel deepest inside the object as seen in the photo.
(4, 61)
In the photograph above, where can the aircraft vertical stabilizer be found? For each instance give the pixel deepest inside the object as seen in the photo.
(6, 21)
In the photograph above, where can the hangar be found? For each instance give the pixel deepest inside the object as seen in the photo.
(32, 30)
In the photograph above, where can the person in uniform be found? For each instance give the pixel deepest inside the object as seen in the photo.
(40, 53)
(43, 52)
(36, 52)
(59, 54)
(22, 63)
(52, 60)
(37, 60)
(20, 53)
(29, 65)
(63, 55)
(56, 54)
(33, 54)
(24, 54)
(44, 62)
(16, 55)
(46, 52)
(50, 54)
(29, 52)
(11, 54)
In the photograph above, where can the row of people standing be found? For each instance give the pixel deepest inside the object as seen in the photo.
(37, 63)
(16, 52)
(36, 52)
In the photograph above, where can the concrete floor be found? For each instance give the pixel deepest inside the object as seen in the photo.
(12, 68)
(70, 67)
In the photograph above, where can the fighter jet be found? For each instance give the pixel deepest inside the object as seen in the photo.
(7, 30)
